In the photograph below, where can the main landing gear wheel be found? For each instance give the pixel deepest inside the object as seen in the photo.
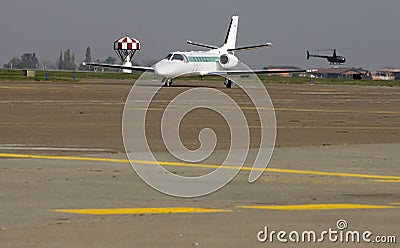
(228, 83)
(167, 82)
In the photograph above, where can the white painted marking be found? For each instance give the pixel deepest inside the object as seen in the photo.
(40, 148)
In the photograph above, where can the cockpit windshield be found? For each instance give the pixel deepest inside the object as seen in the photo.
(168, 56)
(178, 56)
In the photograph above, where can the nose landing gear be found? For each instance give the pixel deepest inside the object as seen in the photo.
(167, 82)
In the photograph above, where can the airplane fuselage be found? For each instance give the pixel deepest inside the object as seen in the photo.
(195, 63)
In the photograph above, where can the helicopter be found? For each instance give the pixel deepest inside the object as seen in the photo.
(334, 59)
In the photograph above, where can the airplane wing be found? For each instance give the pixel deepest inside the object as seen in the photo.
(244, 72)
(123, 67)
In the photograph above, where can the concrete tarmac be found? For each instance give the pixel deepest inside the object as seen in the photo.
(66, 182)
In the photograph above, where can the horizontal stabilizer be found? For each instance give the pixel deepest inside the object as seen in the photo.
(122, 67)
(201, 45)
(245, 48)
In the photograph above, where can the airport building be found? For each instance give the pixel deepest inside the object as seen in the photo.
(342, 73)
(387, 74)
(289, 74)
(327, 73)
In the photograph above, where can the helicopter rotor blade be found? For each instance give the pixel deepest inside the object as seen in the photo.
(332, 49)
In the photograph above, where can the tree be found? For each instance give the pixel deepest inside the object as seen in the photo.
(67, 59)
(14, 63)
(88, 58)
(88, 55)
(27, 61)
(66, 62)
(60, 63)
(110, 60)
(73, 65)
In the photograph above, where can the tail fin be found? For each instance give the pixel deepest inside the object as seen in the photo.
(230, 40)
(308, 55)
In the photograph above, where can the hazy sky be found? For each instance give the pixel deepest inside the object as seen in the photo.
(370, 28)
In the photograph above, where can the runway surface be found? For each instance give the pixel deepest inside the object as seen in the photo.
(66, 182)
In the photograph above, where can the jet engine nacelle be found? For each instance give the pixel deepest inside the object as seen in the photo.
(228, 61)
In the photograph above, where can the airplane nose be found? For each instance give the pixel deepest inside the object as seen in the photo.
(162, 68)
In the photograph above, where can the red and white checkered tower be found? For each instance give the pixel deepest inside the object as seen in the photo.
(126, 48)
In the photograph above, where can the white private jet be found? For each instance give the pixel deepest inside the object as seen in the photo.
(217, 61)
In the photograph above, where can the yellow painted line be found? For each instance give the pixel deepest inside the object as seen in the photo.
(334, 174)
(387, 181)
(316, 207)
(209, 166)
(395, 203)
(71, 158)
(119, 211)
